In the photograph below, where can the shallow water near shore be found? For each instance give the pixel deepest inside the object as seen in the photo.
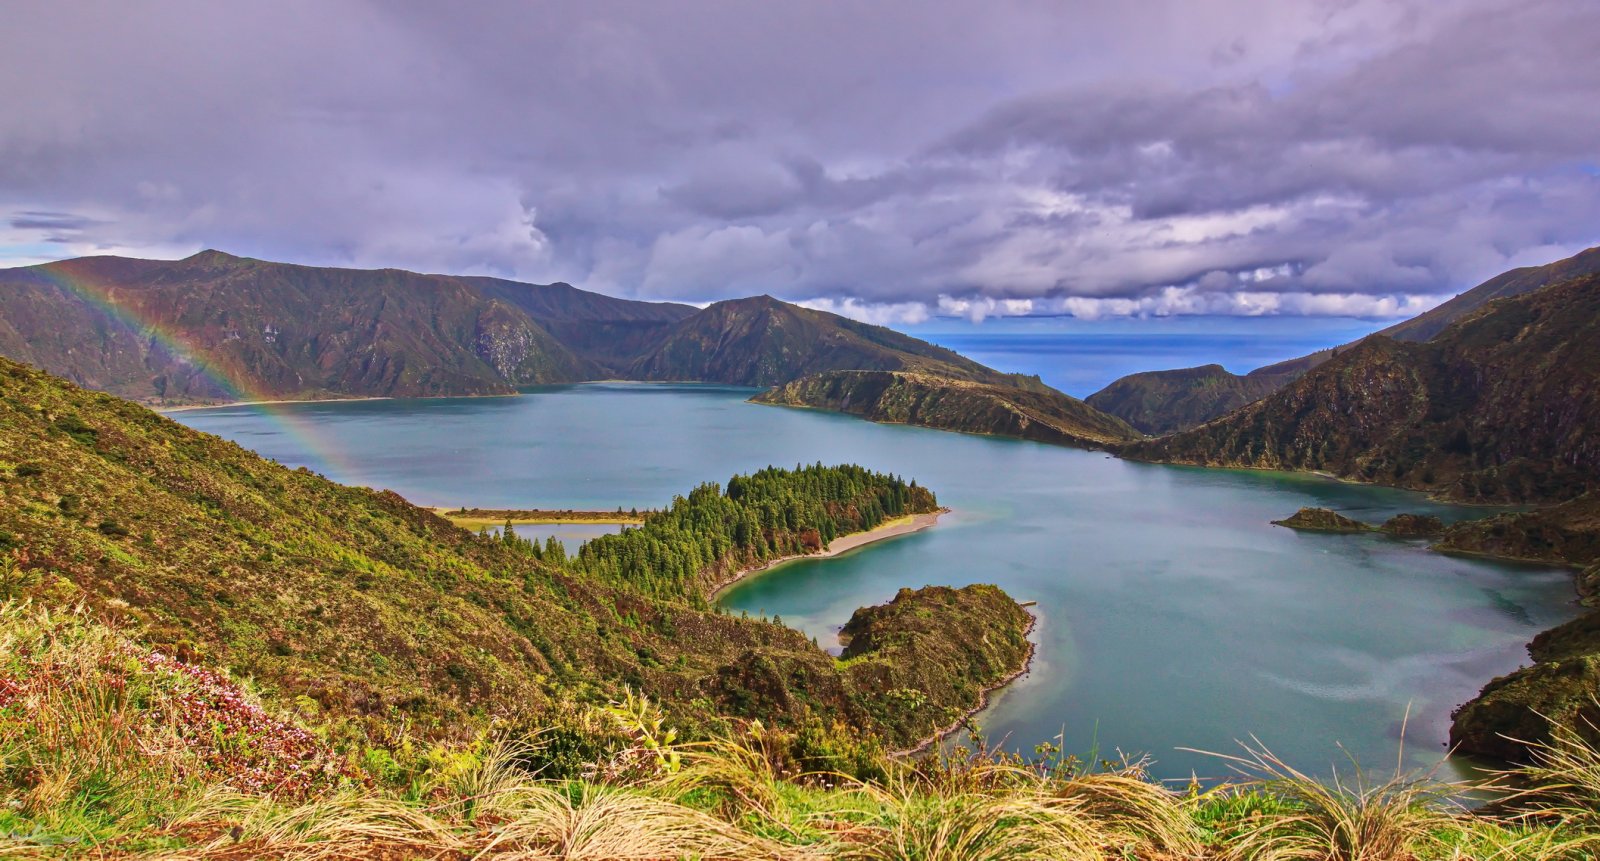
(1172, 614)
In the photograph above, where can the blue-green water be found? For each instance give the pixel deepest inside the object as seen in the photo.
(1172, 613)
(571, 535)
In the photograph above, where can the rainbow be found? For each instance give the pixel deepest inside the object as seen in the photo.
(100, 294)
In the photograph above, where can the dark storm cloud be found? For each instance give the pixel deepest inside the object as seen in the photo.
(889, 159)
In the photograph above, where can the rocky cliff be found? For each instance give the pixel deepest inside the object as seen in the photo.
(958, 405)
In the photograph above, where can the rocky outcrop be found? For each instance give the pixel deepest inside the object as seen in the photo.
(958, 405)
(1322, 520)
(1412, 526)
(1562, 685)
(1518, 710)
(1568, 533)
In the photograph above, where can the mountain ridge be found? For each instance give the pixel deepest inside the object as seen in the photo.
(1161, 402)
(1501, 406)
(213, 327)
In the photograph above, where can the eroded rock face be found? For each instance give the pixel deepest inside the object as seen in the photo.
(1322, 520)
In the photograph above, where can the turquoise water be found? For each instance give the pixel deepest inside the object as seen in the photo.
(1172, 614)
(571, 535)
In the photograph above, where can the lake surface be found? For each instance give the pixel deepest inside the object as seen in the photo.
(571, 535)
(1172, 614)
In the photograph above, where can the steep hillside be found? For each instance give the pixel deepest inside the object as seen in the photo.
(1159, 402)
(355, 605)
(764, 342)
(216, 327)
(957, 405)
(610, 332)
(1502, 406)
(213, 327)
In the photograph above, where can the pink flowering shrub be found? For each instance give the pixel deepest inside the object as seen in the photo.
(235, 739)
(81, 706)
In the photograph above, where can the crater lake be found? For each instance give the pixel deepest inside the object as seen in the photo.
(1172, 614)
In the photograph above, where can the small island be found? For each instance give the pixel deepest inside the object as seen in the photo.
(1322, 520)
(1399, 526)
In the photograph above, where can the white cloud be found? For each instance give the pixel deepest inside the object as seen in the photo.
(878, 314)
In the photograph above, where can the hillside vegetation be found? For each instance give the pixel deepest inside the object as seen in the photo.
(764, 342)
(358, 607)
(1503, 406)
(1159, 402)
(702, 539)
(109, 749)
(953, 404)
(168, 331)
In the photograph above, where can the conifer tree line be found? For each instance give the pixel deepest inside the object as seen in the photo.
(769, 514)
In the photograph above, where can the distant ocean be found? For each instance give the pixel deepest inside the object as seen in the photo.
(1080, 357)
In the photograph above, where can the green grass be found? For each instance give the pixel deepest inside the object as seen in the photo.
(107, 749)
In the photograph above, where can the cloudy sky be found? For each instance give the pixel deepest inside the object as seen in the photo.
(887, 159)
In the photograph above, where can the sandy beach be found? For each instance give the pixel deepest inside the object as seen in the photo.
(843, 544)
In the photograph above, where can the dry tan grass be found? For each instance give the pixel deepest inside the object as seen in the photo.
(610, 824)
(1346, 818)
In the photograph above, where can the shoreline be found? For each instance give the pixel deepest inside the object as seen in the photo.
(532, 516)
(839, 546)
(180, 408)
(190, 407)
(983, 692)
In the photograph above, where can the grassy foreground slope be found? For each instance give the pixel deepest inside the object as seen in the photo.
(111, 750)
(356, 605)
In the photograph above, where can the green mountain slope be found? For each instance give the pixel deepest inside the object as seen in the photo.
(949, 404)
(358, 606)
(216, 327)
(1501, 406)
(764, 342)
(612, 333)
(1159, 402)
